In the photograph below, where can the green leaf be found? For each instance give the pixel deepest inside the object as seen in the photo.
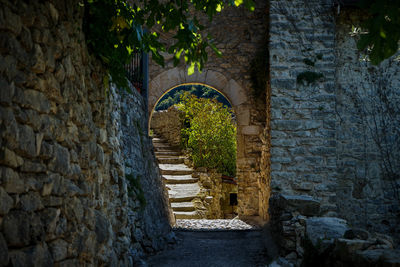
(191, 68)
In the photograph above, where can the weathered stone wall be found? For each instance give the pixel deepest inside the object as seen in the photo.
(66, 147)
(239, 34)
(214, 194)
(303, 116)
(168, 125)
(368, 104)
(305, 239)
(323, 131)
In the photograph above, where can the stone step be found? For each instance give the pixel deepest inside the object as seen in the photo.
(171, 160)
(182, 206)
(179, 179)
(161, 144)
(183, 192)
(157, 140)
(167, 149)
(186, 215)
(167, 153)
(175, 169)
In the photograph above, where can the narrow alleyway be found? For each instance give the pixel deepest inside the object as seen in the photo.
(235, 248)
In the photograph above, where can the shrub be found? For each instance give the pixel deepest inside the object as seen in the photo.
(209, 133)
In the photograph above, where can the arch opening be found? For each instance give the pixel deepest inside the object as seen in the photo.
(253, 187)
(200, 135)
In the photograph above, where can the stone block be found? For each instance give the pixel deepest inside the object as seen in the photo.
(38, 64)
(4, 257)
(59, 249)
(37, 255)
(9, 158)
(31, 201)
(26, 141)
(74, 209)
(235, 93)
(6, 202)
(33, 167)
(287, 125)
(279, 103)
(11, 181)
(377, 257)
(61, 160)
(33, 99)
(16, 228)
(102, 227)
(6, 92)
(243, 117)
(216, 79)
(10, 21)
(303, 186)
(250, 130)
(303, 204)
(325, 229)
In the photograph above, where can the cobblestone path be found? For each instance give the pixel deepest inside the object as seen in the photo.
(213, 248)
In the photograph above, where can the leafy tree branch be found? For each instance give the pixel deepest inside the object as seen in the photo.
(114, 31)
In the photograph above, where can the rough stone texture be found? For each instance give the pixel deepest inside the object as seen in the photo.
(214, 194)
(303, 147)
(325, 228)
(239, 34)
(66, 149)
(168, 125)
(324, 241)
(323, 133)
(367, 195)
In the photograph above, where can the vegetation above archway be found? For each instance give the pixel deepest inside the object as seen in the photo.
(173, 96)
(114, 31)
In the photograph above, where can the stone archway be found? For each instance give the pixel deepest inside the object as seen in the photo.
(248, 132)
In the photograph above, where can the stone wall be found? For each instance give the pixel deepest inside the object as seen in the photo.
(326, 110)
(303, 115)
(66, 147)
(167, 123)
(241, 37)
(305, 239)
(368, 104)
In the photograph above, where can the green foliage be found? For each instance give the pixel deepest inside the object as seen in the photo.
(114, 31)
(209, 133)
(383, 29)
(308, 77)
(173, 97)
(135, 188)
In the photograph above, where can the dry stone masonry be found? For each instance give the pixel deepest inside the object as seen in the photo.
(78, 182)
(210, 193)
(239, 34)
(305, 239)
(327, 112)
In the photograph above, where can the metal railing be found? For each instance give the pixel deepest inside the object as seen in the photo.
(137, 73)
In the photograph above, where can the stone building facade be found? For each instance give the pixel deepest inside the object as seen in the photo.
(79, 183)
(324, 130)
(78, 179)
(239, 34)
(316, 136)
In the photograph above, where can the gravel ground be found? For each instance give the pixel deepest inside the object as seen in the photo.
(213, 225)
(213, 243)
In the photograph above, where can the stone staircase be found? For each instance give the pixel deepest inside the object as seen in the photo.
(182, 186)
